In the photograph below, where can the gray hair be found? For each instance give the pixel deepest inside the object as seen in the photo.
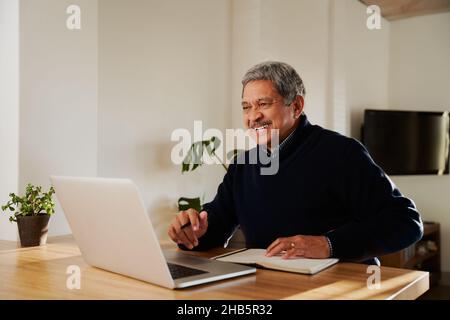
(285, 79)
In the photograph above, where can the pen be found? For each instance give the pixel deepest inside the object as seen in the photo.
(187, 224)
(229, 253)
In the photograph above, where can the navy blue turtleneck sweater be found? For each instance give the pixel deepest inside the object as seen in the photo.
(327, 184)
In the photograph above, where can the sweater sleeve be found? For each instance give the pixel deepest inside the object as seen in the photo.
(383, 220)
(222, 221)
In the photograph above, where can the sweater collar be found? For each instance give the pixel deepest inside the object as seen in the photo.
(293, 139)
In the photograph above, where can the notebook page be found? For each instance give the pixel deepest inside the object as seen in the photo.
(257, 256)
(250, 256)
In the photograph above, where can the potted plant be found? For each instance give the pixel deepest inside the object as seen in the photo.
(32, 213)
(192, 161)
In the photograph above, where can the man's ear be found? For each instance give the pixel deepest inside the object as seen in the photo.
(298, 104)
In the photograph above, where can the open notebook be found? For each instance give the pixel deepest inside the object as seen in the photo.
(257, 257)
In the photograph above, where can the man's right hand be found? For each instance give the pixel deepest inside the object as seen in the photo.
(188, 236)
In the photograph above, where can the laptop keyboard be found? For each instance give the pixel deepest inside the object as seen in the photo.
(177, 271)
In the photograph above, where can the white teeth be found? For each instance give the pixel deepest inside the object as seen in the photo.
(262, 127)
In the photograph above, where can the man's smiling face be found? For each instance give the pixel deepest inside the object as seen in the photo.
(264, 110)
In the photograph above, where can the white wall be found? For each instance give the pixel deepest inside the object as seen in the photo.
(58, 95)
(294, 31)
(162, 65)
(337, 113)
(245, 50)
(9, 110)
(367, 65)
(420, 80)
(420, 64)
(344, 64)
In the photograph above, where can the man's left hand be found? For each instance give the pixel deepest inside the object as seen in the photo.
(315, 247)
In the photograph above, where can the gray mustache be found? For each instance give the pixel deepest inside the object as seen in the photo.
(260, 124)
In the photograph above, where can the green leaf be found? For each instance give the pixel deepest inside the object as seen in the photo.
(233, 153)
(192, 161)
(194, 156)
(32, 203)
(186, 161)
(187, 203)
(216, 142)
(212, 145)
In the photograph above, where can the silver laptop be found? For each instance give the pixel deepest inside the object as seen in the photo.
(113, 231)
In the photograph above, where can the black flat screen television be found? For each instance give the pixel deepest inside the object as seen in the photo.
(408, 142)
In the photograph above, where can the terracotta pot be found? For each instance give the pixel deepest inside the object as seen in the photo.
(33, 230)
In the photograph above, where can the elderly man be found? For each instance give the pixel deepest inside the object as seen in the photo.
(328, 198)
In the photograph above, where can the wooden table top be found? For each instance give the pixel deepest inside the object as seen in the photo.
(40, 273)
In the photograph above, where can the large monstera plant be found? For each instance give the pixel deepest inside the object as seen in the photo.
(193, 160)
